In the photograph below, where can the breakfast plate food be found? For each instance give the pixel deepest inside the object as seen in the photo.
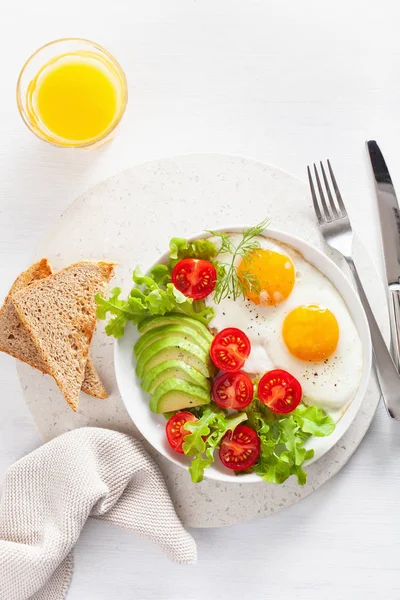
(251, 351)
(119, 220)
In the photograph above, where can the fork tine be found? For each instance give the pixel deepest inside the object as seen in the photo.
(328, 191)
(321, 193)
(314, 198)
(337, 192)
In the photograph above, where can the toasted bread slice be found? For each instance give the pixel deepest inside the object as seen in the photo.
(15, 340)
(92, 384)
(59, 313)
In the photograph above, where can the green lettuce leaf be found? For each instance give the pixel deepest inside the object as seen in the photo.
(161, 274)
(153, 294)
(181, 248)
(300, 473)
(314, 420)
(197, 467)
(205, 436)
(197, 310)
(282, 439)
(123, 311)
(273, 470)
(293, 438)
(194, 442)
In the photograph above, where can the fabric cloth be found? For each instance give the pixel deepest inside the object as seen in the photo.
(49, 494)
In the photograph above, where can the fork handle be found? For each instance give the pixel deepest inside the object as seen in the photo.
(388, 377)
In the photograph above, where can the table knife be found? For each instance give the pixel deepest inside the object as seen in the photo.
(389, 214)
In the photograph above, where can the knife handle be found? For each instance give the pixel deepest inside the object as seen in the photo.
(394, 316)
(388, 377)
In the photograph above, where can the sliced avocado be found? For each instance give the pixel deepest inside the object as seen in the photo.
(170, 369)
(174, 348)
(175, 319)
(175, 394)
(187, 333)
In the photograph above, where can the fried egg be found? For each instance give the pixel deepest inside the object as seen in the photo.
(296, 320)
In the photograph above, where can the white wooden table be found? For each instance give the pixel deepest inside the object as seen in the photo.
(287, 82)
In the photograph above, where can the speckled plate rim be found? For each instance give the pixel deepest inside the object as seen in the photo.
(152, 426)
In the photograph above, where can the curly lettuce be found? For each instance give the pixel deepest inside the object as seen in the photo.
(205, 436)
(283, 438)
(182, 248)
(153, 294)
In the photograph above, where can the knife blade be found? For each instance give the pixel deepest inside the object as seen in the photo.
(389, 215)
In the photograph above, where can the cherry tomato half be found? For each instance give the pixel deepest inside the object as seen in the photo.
(239, 449)
(175, 429)
(194, 277)
(233, 390)
(280, 391)
(229, 349)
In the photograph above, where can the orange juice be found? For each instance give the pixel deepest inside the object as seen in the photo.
(76, 98)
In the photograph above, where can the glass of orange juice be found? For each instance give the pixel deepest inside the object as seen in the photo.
(72, 93)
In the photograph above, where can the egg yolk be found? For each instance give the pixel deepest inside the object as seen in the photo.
(267, 276)
(311, 333)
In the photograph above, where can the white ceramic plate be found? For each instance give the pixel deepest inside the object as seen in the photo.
(152, 426)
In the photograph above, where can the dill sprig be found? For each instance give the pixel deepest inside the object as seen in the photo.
(228, 281)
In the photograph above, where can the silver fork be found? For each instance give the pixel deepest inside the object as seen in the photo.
(335, 227)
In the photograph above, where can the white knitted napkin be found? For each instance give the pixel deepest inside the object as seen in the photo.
(49, 494)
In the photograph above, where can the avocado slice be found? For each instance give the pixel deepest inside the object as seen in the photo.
(174, 348)
(175, 394)
(175, 319)
(187, 333)
(170, 369)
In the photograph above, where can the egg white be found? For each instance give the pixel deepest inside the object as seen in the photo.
(330, 384)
